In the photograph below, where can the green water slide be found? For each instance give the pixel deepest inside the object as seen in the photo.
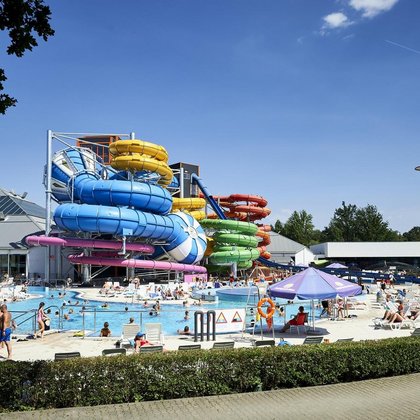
(230, 225)
(235, 242)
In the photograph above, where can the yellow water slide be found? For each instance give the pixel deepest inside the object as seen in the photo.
(192, 205)
(139, 155)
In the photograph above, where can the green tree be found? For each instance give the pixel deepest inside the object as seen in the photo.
(342, 227)
(278, 227)
(353, 224)
(371, 225)
(413, 234)
(299, 227)
(22, 19)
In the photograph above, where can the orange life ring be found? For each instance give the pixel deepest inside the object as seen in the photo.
(271, 310)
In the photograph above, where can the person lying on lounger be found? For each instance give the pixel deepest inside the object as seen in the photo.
(398, 316)
(140, 341)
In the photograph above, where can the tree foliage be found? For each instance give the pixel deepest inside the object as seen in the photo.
(300, 228)
(413, 234)
(278, 227)
(348, 224)
(353, 224)
(342, 227)
(23, 19)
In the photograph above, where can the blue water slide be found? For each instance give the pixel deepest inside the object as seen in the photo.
(120, 207)
(195, 179)
(115, 221)
(80, 180)
(141, 196)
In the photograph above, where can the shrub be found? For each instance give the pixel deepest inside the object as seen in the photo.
(120, 379)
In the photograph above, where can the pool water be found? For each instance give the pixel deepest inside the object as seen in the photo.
(171, 316)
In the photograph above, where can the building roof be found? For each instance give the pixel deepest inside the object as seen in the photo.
(367, 249)
(280, 243)
(18, 218)
(14, 205)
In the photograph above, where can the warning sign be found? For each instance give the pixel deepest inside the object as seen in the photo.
(236, 317)
(221, 319)
(229, 320)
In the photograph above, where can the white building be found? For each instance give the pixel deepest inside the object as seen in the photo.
(283, 250)
(20, 218)
(407, 252)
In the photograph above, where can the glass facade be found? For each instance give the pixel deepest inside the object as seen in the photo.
(14, 265)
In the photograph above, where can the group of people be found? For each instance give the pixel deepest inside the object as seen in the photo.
(397, 311)
(139, 339)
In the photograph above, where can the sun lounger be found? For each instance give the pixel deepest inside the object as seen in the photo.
(154, 333)
(129, 331)
(69, 355)
(223, 345)
(151, 349)
(313, 340)
(188, 347)
(112, 352)
(264, 343)
(405, 323)
(416, 333)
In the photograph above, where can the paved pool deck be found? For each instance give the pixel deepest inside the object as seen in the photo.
(382, 399)
(359, 327)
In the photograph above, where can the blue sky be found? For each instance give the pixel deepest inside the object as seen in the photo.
(305, 102)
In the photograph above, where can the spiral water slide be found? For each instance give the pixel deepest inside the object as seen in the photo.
(244, 207)
(234, 241)
(193, 206)
(94, 201)
(221, 215)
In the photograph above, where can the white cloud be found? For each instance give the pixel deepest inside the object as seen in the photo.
(371, 8)
(334, 21)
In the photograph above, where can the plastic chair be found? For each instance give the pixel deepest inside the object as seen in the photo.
(302, 327)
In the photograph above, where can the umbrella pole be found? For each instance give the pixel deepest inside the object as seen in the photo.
(313, 314)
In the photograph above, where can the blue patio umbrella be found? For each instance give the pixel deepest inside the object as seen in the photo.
(313, 284)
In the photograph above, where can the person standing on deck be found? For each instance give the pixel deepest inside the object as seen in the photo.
(6, 329)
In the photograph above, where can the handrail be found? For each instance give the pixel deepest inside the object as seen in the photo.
(95, 311)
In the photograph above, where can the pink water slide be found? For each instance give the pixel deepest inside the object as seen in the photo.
(132, 263)
(89, 243)
(114, 262)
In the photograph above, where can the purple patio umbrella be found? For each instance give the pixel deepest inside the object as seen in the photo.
(336, 265)
(313, 284)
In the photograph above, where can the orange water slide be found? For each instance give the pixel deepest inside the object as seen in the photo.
(244, 206)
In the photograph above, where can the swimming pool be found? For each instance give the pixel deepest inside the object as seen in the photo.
(171, 316)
